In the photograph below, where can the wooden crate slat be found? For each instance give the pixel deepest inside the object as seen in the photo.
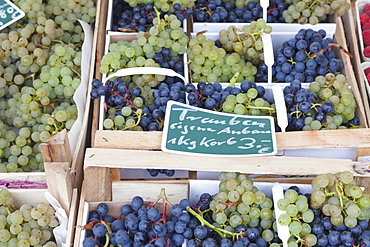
(98, 184)
(126, 190)
(151, 140)
(340, 39)
(57, 148)
(72, 217)
(119, 158)
(350, 29)
(59, 180)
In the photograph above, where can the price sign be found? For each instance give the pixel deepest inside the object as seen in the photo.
(196, 131)
(9, 13)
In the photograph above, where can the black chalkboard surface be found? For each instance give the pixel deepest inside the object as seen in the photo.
(193, 130)
(9, 13)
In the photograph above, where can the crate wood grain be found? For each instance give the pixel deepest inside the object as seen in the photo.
(125, 191)
(151, 140)
(285, 141)
(351, 33)
(98, 166)
(57, 158)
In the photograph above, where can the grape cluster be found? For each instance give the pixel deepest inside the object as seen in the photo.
(133, 107)
(156, 172)
(234, 52)
(39, 74)
(217, 11)
(139, 102)
(166, 5)
(307, 55)
(297, 215)
(161, 46)
(275, 11)
(240, 207)
(346, 202)
(249, 99)
(139, 17)
(327, 103)
(313, 12)
(336, 213)
(141, 224)
(27, 225)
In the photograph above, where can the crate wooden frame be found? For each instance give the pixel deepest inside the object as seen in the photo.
(353, 41)
(151, 141)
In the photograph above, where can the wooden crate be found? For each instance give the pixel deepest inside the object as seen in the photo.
(353, 41)
(285, 141)
(98, 167)
(123, 192)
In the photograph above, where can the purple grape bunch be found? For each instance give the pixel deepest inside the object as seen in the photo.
(217, 11)
(308, 54)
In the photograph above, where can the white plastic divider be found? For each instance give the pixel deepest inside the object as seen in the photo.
(264, 4)
(268, 54)
(134, 71)
(109, 16)
(360, 10)
(283, 231)
(280, 107)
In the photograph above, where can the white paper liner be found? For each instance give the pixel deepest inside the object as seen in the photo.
(80, 95)
(61, 231)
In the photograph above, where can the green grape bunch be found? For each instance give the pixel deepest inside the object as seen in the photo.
(247, 41)
(297, 216)
(40, 71)
(338, 196)
(166, 33)
(239, 202)
(166, 5)
(240, 51)
(26, 225)
(313, 11)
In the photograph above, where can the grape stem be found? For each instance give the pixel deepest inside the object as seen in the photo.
(332, 45)
(159, 18)
(269, 11)
(299, 239)
(207, 10)
(253, 35)
(106, 240)
(228, 204)
(314, 2)
(137, 122)
(76, 72)
(38, 44)
(165, 201)
(31, 76)
(222, 232)
(233, 79)
(125, 30)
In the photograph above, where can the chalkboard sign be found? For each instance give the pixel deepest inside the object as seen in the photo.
(196, 131)
(9, 13)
